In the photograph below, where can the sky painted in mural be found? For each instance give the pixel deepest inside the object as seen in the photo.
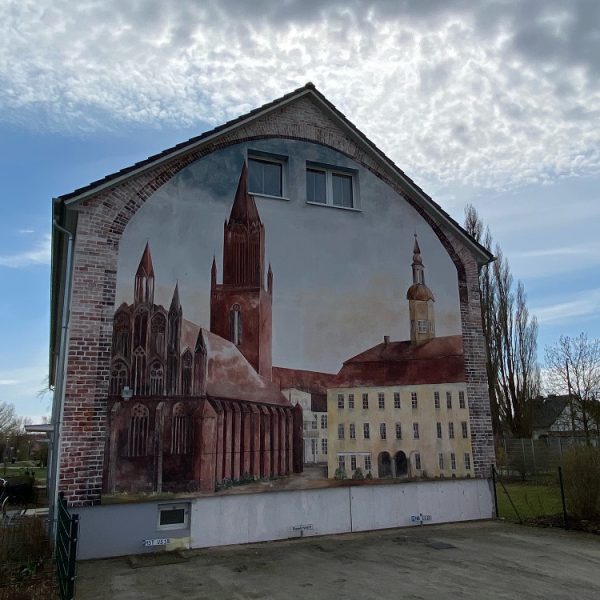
(340, 276)
(493, 103)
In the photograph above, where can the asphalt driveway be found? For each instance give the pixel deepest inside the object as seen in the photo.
(481, 561)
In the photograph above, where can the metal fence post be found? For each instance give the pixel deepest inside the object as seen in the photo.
(562, 497)
(495, 493)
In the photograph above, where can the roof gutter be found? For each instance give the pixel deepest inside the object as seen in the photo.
(59, 387)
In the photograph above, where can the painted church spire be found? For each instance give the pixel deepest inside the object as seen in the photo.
(244, 240)
(420, 301)
(144, 279)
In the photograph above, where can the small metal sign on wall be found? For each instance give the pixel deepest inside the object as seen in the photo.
(156, 542)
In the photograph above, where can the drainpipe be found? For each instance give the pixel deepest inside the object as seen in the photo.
(59, 387)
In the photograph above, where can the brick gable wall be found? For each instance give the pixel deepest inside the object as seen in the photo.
(101, 221)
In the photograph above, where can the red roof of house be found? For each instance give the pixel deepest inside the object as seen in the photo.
(439, 360)
(314, 382)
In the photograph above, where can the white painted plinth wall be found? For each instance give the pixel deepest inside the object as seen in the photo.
(248, 518)
(120, 529)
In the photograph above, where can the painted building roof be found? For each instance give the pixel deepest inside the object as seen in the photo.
(313, 382)
(229, 375)
(439, 360)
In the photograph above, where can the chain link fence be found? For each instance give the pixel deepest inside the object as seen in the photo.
(529, 482)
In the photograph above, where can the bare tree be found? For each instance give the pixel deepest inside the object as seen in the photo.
(9, 422)
(511, 340)
(573, 366)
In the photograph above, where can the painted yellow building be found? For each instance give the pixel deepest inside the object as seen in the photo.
(400, 409)
(400, 431)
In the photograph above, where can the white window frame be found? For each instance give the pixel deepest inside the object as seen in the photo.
(172, 526)
(367, 430)
(414, 400)
(383, 431)
(330, 171)
(275, 159)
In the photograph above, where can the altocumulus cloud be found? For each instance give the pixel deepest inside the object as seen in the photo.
(493, 93)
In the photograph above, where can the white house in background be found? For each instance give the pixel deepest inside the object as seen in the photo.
(309, 389)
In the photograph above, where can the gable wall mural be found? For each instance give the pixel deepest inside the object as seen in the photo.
(228, 300)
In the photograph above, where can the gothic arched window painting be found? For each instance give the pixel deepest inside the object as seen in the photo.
(157, 334)
(140, 327)
(139, 372)
(186, 373)
(137, 440)
(121, 335)
(118, 378)
(179, 430)
(235, 324)
(156, 379)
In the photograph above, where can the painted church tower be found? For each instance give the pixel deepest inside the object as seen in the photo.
(420, 301)
(240, 307)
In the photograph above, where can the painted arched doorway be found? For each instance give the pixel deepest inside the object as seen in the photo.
(401, 464)
(384, 464)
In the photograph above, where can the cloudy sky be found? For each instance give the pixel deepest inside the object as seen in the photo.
(496, 103)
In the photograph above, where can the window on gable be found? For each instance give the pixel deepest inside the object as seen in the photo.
(330, 186)
(316, 186)
(342, 190)
(265, 176)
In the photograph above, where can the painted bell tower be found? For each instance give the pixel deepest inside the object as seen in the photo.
(240, 307)
(420, 301)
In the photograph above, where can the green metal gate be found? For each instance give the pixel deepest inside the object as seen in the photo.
(67, 528)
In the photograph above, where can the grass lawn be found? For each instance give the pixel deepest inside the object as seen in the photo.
(531, 500)
(19, 468)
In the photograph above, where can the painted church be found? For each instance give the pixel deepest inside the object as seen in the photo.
(190, 408)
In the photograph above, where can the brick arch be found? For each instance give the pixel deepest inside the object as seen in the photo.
(101, 222)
